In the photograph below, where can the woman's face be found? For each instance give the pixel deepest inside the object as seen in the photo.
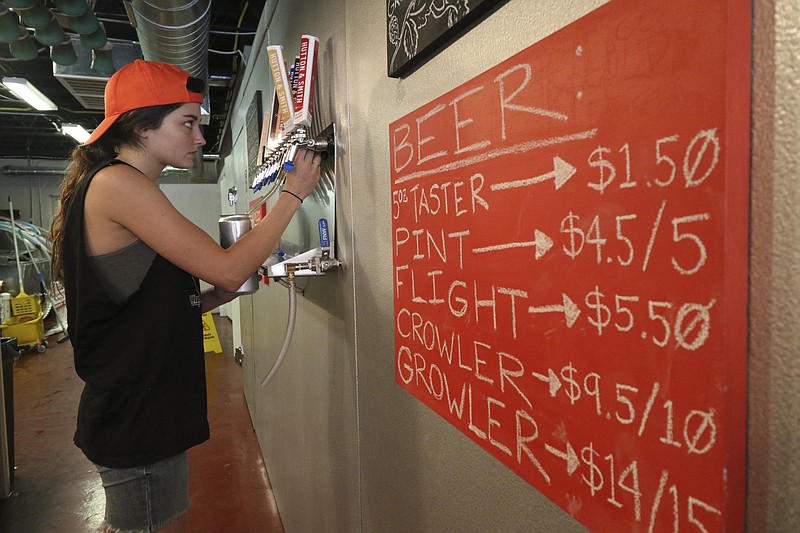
(178, 139)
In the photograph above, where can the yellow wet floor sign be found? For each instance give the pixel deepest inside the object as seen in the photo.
(210, 338)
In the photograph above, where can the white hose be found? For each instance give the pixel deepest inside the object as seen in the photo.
(287, 340)
(16, 247)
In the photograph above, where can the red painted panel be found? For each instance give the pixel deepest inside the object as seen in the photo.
(570, 263)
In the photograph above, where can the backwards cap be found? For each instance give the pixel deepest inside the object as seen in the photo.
(143, 84)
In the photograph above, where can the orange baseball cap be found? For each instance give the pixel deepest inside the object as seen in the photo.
(143, 84)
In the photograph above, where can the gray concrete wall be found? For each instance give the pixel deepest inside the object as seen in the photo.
(774, 398)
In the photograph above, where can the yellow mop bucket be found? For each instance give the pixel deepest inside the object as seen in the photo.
(28, 329)
(26, 322)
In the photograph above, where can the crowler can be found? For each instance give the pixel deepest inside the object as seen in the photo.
(231, 229)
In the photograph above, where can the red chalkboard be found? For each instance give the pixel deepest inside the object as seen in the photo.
(570, 263)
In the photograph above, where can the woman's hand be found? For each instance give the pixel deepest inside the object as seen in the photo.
(303, 179)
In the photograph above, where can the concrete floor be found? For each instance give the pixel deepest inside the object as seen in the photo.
(56, 489)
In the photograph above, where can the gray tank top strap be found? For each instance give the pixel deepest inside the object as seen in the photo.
(121, 272)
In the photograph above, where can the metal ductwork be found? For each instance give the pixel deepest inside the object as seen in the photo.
(175, 32)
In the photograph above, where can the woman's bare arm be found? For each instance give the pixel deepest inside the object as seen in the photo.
(123, 200)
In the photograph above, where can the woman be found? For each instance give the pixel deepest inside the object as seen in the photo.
(130, 262)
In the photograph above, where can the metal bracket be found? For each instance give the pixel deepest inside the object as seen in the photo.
(315, 262)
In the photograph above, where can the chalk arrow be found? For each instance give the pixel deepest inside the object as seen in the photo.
(569, 456)
(561, 173)
(569, 309)
(543, 243)
(550, 378)
(540, 240)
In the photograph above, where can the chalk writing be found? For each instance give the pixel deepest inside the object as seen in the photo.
(561, 269)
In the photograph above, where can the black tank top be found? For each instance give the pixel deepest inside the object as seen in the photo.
(142, 361)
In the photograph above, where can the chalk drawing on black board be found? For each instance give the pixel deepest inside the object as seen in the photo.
(418, 29)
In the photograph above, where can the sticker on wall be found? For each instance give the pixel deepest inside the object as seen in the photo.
(570, 263)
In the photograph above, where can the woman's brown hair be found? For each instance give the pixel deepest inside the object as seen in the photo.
(84, 158)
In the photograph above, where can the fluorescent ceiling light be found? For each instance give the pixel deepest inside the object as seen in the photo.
(76, 131)
(25, 90)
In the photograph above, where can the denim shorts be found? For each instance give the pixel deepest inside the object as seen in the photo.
(148, 497)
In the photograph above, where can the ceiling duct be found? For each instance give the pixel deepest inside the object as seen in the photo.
(175, 32)
(86, 85)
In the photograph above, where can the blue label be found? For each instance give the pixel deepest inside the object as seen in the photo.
(324, 237)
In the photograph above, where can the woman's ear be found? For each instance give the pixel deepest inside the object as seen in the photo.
(142, 132)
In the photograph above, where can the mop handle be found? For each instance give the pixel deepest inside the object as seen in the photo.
(16, 246)
(30, 254)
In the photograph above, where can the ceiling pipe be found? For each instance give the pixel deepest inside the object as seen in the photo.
(174, 31)
(9, 170)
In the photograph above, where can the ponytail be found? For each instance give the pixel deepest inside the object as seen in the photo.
(82, 160)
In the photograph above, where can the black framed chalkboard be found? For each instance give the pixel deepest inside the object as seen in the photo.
(253, 123)
(418, 29)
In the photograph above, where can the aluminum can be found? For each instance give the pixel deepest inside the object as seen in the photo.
(231, 229)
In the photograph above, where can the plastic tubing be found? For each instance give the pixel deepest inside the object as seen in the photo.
(287, 339)
(16, 246)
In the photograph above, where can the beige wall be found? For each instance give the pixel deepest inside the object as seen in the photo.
(774, 410)
(346, 448)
